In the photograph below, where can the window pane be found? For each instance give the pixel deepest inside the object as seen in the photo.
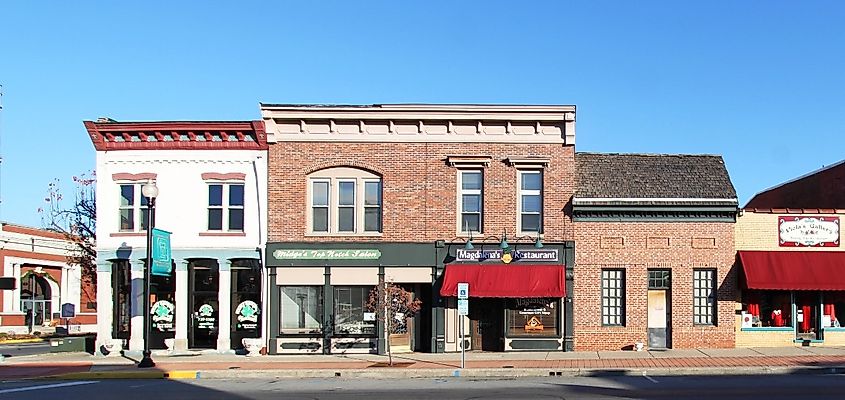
(530, 223)
(236, 195)
(236, 219)
(531, 181)
(346, 219)
(215, 195)
(471, 203)
(471, 222)
(372, 219)
(127, 219)
(346, 193)
(372, 193)
(320, 196)
(532, 317)
(320, 219)
(145, 215)
(215, 219)
(471, 180)
(301, 309)
(531, 204)
(350, 305)
(127, 195)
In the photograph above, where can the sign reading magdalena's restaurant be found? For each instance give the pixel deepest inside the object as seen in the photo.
(808, 231)
(328, 254)
(496, 254)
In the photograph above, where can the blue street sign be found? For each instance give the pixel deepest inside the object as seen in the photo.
(161, 253)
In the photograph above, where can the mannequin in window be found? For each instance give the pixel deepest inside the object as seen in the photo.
(777, 318)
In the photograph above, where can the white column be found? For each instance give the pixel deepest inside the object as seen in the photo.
(183, 311)
(16, 294)
(105, 311)
(136, 340)
(224, 312)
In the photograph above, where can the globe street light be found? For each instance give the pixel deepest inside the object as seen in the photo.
(150, 191)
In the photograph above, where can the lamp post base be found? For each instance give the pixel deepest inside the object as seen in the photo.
(147, 361)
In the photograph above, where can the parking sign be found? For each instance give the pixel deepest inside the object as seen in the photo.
(463, 291)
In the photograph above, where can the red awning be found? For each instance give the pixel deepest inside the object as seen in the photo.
(505, 280)
(794, 270)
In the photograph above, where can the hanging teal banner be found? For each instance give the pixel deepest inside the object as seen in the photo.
(162, 263)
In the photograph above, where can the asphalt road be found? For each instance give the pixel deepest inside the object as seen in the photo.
(770, 387)
(24, 349)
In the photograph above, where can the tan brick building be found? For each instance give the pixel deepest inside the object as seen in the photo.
(789, 263)
(654, 239)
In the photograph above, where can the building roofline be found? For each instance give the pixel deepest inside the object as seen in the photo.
(793, 180)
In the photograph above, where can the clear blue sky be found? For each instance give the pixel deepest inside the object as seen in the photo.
(760, 82)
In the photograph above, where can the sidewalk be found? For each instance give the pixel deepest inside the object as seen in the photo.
(207, 365)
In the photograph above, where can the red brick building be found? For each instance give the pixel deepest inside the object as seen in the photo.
(562, 251)
(654, 237)
(358, 194)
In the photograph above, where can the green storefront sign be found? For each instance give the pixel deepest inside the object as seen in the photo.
(327, 254)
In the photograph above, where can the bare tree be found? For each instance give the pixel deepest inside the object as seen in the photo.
(77, 222)
(392, 305)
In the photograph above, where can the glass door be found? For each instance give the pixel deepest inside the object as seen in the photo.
(203, 285)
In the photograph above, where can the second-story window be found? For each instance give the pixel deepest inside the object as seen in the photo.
(530, 201)
(344, 201)
(226, 207)
(471, 201)
(133, 208)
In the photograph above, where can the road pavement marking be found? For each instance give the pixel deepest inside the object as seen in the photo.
(55, 385)
(650, 378)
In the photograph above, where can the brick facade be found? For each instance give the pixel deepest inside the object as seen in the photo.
(419, 188)
(636, 247)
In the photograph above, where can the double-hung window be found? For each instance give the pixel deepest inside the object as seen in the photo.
(471, 201)
(531, 201)
(704, 296)
(226, 206)
(133, 208)
(344, 201)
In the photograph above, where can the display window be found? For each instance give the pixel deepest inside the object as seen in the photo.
(350, 316)
(532, 317)
(768, 308)
(301, 310)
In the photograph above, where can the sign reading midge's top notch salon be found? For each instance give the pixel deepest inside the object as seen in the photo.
(808, 231)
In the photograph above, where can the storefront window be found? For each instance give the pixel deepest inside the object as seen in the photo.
(768, 307)
(301, 309)
(349, 311)
(532, 317)
(834, 309)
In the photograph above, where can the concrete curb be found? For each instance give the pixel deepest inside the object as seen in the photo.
(401, 373)
(508, 372)
(14, 341)
(127, 375)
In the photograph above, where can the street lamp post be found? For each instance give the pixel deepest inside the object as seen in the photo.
(150, 191)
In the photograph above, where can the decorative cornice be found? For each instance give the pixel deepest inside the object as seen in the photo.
(107, 135)
(702, 215)
(141, 177)
(468, 161)
(421, 123)
(215, 176)
(528, 162)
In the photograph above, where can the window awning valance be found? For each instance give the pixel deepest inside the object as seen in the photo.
(513, 280)
(793, 270)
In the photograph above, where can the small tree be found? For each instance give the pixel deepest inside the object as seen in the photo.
(392, 305)
(77, 223)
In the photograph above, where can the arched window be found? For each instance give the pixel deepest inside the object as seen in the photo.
(344, 201)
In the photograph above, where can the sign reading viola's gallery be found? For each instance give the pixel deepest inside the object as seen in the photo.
(499, 254)
(327, 254)
(806, 231)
